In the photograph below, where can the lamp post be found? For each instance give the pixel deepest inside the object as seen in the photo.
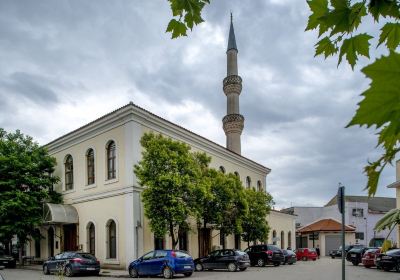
(366, 232)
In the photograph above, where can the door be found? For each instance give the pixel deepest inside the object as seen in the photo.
(332, 242)
(50, 240)
(156, 264)
(205, 242)
(226, 257)
(70, 239)
(144, 266)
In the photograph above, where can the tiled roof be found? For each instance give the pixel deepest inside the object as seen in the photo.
(375, 204)
(324, 225)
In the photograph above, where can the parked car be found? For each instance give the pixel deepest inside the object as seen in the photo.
(355, 255)
(162, 262)
(306, 254)
(262, 255)
(71, 263)
(7, 260)
(388, 261)
(224, 259)
(290, 257)
(368, 259)
(338, 253)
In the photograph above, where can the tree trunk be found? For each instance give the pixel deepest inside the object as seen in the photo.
(172, 234)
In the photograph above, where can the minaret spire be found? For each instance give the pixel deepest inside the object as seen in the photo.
(233, 122)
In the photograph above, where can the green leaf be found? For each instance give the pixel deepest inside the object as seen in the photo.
(391, 34)
(354, 46)
(340, 4)
(318, 8)
(177, 28)
(338, 19)
(381, 103)
(358, 11)
(326, 47)
(384, 8)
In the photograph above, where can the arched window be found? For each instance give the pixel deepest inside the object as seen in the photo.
(222, 169)
(248, 182)
(259, 186)
(111, 160)
(274, 237)
(91, 233)
(237, 174)
(112, 240)
(69, 173)
(90, 166)
(289, 239)
(282, 240)
(183, 239)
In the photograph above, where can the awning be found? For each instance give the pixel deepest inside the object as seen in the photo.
(60, 214)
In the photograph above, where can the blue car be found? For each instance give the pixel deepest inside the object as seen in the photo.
(162, 262)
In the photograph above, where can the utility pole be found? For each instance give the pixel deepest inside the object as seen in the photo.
(341, 206)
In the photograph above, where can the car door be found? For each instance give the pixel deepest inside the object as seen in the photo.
(227, 256)
(145, 262)
(156, 264)
(210, 261)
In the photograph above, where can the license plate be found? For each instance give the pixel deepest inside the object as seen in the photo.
(353, 255)
(90, 268)
(5, 261)
(386, 257)
(187, 266)
(378, 259)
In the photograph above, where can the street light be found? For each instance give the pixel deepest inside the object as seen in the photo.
(366, 231)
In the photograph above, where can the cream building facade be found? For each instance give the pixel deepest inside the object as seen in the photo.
(103, 212)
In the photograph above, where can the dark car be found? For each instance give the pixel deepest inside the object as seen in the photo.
(71, 263)
(368, 259)
(290, 257)
(355, 255)
(7, 260)
(224, 259)
(162, 262)
(338, 253)
(262, 255)
(388, 261)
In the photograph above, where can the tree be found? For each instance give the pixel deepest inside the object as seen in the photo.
(339, 21)
(255, 226)
(168, 171)
(25, 184)
(389, 221)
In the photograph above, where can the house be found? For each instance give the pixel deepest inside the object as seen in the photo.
(102, 211)
(396, 185)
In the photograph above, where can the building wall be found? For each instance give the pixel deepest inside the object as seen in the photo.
(285, 223)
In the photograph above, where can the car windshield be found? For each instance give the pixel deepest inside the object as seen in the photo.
(311, 249)
(393, 252)
(272, 248)
(240, 253)
(371, 250)
(87, 256)
(181, 255)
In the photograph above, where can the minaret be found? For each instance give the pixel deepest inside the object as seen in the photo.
(233, 122)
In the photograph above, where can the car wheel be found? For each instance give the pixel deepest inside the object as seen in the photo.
(290, 263)
(355, 263)
(304, 258)
(332, 257)
(276, 264)
(243, 268)
(397, 267)
(133, 272)
(386, 268)
(46, 270)
(167, 273)
(367, 266)
(260, 262)
(199, 267)
(188, 274)
(68, 271)
(232, 267)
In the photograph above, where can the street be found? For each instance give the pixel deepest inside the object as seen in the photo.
(325, 268)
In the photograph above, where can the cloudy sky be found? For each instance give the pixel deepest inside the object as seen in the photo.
(65, 63)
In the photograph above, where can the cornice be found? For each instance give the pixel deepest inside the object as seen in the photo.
(131, 112)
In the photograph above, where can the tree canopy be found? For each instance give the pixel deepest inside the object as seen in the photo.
(25, 183)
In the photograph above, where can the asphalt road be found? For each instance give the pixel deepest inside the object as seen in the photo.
(325, 268)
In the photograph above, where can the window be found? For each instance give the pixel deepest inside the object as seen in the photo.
(358, 212)
(289, 239)
(112, 240)
(248, 181)
(282, 240)
(360, 235)
(222, 169)
(274, 237)
(237, 241)
(91, 239)
(90, 166)
(160, 254)
(159, 243)
(148, 256)
(259, 186)
(222, 239)
(183, 240)
(237, 174)
(111, 160)
(69, 173)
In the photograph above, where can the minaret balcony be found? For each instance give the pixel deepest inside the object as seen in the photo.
(233, 123)
(232, 84)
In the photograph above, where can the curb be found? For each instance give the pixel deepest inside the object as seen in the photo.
(103, 273)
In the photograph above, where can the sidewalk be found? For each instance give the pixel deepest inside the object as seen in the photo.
(103, 272)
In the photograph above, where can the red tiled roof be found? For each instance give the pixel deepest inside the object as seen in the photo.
(324, 225)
